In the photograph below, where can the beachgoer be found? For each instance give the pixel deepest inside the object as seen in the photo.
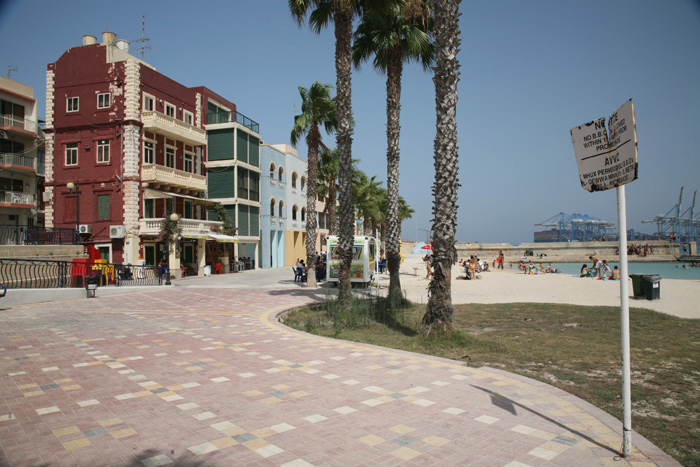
(427, 267)
(501, 259)
(606, 268)
(585, 272)
(615, 274)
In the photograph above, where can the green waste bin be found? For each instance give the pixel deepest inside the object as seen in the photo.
(651, 283)
(637, 285)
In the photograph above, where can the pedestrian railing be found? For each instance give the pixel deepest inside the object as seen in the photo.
(32, 235)
(41, 274)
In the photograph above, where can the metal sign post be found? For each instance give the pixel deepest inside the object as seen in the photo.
(610, 161)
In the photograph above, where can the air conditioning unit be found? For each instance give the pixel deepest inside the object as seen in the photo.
(117, 231)
(85, 228)
(46, 196)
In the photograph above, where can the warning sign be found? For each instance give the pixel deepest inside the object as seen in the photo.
(607, 158)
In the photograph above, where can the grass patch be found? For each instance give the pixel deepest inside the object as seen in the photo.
(575, 348)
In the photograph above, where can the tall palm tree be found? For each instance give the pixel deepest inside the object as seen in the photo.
(328, 185)
(394, 32)
(439, 310)
(366, 191)
(317, 109)
(341, 13)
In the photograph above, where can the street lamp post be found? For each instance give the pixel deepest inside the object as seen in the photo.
(76, 186)
(174, 218)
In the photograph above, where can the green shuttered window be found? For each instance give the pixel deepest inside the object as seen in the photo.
(220, 145)
(221, 182)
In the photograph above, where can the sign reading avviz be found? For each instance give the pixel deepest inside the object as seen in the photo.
(607, 158)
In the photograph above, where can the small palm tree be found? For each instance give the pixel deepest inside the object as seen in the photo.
(394, 32)
(341, 13)
(439, 310)
(317, 110)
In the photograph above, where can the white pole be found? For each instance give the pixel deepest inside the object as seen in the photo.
(625, 324)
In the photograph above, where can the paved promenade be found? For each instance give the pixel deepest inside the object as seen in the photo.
(202, 373)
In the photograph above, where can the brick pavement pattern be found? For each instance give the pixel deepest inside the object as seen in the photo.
(208, 376)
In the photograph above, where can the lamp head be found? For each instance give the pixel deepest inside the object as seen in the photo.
(174, 217)
(70, 186)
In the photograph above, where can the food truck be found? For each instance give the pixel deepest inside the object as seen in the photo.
(364, 255)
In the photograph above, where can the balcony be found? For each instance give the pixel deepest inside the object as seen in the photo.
(21, 125)
(230, 117)
(16, 199)
(173, 128)
(9, 159)
(161, 175)
(191, 228)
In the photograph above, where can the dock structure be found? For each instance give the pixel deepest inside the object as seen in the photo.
(678, 225)
(575, 228)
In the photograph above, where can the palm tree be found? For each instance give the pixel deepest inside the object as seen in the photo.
(341, 13)
(328, 185)
(394, 32)
(439, 310)
(366, 191)
(317, 109)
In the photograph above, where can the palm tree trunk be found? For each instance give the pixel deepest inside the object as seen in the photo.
(332, 220)
(439, 310)
(393, 113)
(343, 61)
(311, 185)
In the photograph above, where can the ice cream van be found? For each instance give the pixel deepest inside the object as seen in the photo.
(364, 256)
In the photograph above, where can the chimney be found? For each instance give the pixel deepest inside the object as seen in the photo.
(123, 45)
(108, 38)
(89, 40)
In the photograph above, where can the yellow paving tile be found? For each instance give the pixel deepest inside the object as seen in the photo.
(153, 386)
(71, 387)
(166, 394)
(193, 368)
(224, 442)
(181, 363)
(401, 429)
(233, 431)
(371, 440)
(556, 447)
(110, 421)
(395, 372)
(123, 433)
(78, 443)
(385, 399)
(280, 387)
(435, 441)
(143, 393)
(300, 394)
(264, 432)
(405, 453)
(219, 364)
(271, 400)
(27, 386)
(543, 435)
(255, 444)
(252, 393)
(177, 387)
(33, 393)
(66, 431)
(374, 367)
(61, 381)
(207, 359)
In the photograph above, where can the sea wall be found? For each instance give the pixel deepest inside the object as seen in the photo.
(557, 252)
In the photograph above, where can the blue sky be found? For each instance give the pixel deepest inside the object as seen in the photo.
(530, 71)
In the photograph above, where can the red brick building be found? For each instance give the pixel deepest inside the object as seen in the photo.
(131, 144)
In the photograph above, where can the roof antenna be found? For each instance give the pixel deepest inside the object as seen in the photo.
(10, 69)
(143, 39)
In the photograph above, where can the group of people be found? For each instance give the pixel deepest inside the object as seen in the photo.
(640, 250)
(320, 268)
(473, 266)
(531, 268)
(599, 270)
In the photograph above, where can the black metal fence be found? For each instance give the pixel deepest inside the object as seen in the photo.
(33, 235)
(41, 274)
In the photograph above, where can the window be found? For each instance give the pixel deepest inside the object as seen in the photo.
(294, 179)
(149, 208)
(72, 154)
(281, 174)
(72, 104)
(294, 212)
(272, 207)
(104, 100)
(149, 152)
(188, 117)
(188, 210)
(303, 214)
(103, 151)
(282, 216)
(272, 170)
(170, 157)
(303, 182)
(170, 110)
(189, 162)
(103, 206)
(149, 103)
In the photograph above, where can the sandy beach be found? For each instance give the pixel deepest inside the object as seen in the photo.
(678, 297)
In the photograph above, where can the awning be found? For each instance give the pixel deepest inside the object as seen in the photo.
(223, 238)
(195, 237)
(150, 193)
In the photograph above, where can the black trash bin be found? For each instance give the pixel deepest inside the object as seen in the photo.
(91, 285)
(651, 283)
(637, 285)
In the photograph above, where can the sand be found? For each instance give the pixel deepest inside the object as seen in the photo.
(678, 297)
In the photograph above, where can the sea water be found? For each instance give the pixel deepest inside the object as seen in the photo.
(667, 270)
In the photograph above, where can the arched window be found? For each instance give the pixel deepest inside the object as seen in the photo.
(281, 173)
(272, 170)
(303, 183)
(281, 209)
(294, 212)
(272, 207)
(294, 179)
(303, 214)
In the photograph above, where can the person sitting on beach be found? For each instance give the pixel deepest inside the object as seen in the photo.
(585, 272)
(550, 269)
(615, 275)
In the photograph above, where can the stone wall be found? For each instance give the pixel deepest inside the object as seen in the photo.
(45, 252)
